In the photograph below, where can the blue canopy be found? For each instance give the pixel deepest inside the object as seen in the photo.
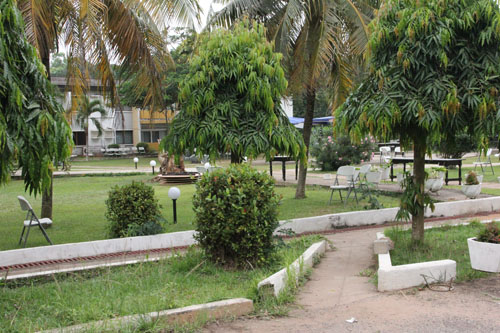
(319, 120)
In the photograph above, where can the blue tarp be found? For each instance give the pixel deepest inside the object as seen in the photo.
(319, 120)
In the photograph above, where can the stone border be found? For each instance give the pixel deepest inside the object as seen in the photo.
(277, 282)
(410, 275)
(215, 310)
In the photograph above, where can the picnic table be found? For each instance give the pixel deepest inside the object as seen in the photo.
(446, 162)
(283, 160)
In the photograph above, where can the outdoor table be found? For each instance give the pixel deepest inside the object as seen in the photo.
(446, 162)
(283, 160)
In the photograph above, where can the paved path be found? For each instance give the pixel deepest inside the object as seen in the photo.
(336, 292)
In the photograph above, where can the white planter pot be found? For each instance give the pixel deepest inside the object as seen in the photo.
(471, 191)
(373, 177)
(385, 173)
(434, 184)
(484, 256)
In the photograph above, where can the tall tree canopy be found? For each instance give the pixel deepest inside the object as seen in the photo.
(435, 70)
(320, 40)
(96, 32)
(33, 130)
(231, 99)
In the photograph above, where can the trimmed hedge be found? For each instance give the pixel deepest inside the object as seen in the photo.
(236, 214)
(133, 210)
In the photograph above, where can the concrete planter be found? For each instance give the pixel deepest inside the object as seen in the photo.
(374, 177)
(484, 256)
(434, 184)
(471, 191)
(386, 172)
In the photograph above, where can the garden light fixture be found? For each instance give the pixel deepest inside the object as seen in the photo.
(152, 163)
(174, 193)
(136, 160)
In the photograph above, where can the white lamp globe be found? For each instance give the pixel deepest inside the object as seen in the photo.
(207, 165)
(152, 163)
(136, 159)
(174, 193)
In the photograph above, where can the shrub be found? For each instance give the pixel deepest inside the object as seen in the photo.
(457, 146)
(236, 213)
(490, 234)
(133, 210)
(333, 153)
(471, 178)
(144, 145)
(114, 145)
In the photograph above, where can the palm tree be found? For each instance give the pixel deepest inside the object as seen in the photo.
(318, 38)
(85, 110)
(96, 32)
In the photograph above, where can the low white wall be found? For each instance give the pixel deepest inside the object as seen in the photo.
(412, 275)
(278, 280)
(94, 248)
(381, 216)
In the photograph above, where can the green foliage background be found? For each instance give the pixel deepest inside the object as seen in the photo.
(33, 131)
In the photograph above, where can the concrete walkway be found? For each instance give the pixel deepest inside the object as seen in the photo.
(337, 292)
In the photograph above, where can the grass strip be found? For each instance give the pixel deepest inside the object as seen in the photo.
(446, 242)
(74, 298)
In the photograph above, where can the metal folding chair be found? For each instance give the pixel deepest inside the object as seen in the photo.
(485, 163)
(349, 173)
(32, 220)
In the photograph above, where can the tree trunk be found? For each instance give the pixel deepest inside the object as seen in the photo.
(308, 118)
(48, 192)
(417, 224)
(235, 158)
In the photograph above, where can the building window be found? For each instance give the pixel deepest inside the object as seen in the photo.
(146, 136)
(79, 138)
(124, 137)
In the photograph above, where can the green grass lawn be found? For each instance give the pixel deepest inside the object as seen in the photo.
(68, 299)
(79, 207)
(447, 242)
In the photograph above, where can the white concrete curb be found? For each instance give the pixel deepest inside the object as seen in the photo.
(381, 216)
(411, 275)
(278, 280)
(221, 309)
(95, 248)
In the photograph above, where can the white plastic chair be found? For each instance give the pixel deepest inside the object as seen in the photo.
(385, 152)
(32, 220)
(348, 172)
(484, 163)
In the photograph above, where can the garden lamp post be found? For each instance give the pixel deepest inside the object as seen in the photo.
(174, 193)
(152, 163)
(207, 166)
(136, 160)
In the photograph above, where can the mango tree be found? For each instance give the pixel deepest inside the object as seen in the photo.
(435, 71)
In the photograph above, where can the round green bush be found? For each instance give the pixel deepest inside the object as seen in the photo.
(133, 210)
(144, 145)
(113, 145)
(236, 213)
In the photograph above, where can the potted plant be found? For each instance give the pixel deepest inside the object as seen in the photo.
(484, 250)
(374, 175)
(435, 180)
(472, 187)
